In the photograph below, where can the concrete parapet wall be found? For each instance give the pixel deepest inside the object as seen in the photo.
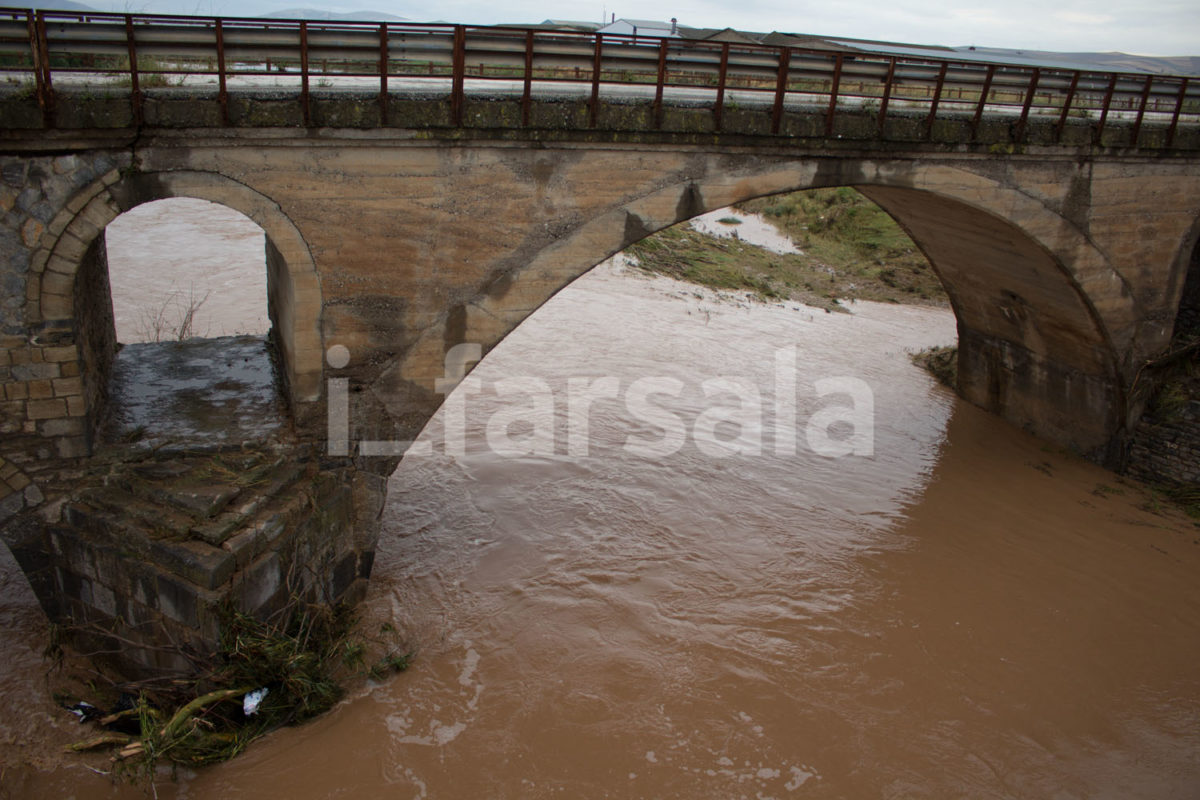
(551, 119)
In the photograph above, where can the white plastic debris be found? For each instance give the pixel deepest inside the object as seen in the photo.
(252, 700)
(85, 711)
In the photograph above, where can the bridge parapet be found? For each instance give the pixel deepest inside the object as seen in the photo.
(796, 91)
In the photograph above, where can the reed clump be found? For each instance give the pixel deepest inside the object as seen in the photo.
(303, 660)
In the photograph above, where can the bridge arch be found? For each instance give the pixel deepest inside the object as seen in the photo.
(74, 288)
(1023, 279)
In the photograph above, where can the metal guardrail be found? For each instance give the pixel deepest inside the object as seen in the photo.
(142, 51)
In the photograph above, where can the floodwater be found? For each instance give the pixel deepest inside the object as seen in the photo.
(703, 591)
(727, 223)
(171, 256)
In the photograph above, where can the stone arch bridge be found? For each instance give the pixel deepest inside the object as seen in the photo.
(1065, 262)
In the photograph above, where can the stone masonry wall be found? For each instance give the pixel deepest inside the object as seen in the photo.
(1168, 452)
(43, 407)
(157, 547)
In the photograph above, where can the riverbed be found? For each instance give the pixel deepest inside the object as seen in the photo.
(776, 561)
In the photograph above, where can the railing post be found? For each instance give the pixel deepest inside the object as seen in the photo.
(1062, 118)
(1137, 124)
(304, 106)
(983, 98)
(937, 97)
(40, 52)
(222, 90)
(1029, 95)
(527, 94)
(135, 89)
(785, 63)
(1178, 109)
(719, 106)
(1108, 96)
(594, 102)
(660, 83)
(887, 94)
(833, 93)
(458, 76)
(383, 74)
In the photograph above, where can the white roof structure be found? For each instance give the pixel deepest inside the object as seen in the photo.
(641, 27)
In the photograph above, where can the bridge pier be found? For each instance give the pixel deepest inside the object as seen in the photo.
(156, 551)
(182, 513)
(1064, 404)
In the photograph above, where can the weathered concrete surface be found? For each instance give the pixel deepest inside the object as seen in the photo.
(1064, 264)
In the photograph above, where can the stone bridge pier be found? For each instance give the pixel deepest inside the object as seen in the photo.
(386, 249)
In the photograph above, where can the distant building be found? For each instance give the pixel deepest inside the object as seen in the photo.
(1099, 62)
(568, 25)
(720, 35)
(641, 27)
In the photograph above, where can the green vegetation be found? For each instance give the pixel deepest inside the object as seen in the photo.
(1187, 497)
(941, 362)
(848, 232)
(1161, 498)
(20, 87)
(721, 264)
(1173, 382)
(301, 661)
(155, 73)
(851, 250)
(1175, 379)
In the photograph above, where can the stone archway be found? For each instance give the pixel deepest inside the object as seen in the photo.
(1024, 280)
(72, 304)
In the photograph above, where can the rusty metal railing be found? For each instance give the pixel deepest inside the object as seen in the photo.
(48, 50)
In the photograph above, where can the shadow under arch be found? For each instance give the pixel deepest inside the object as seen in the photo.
(1187, 269)
(75, 295)
(1022, 278)
(1032, 346)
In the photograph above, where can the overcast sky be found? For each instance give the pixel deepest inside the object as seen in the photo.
(1148, 27)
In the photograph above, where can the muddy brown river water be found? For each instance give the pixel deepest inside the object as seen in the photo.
(963, 612)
